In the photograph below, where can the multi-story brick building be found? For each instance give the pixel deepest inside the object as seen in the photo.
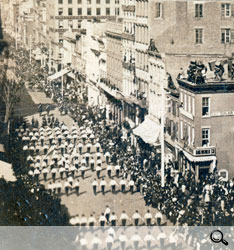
(112, 86)
(192, 30)
(206, 130)
(62, 14)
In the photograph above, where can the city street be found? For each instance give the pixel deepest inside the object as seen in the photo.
(86, 203)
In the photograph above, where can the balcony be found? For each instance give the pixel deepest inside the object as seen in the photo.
(199, 151)
(203, 151)
(129, 66)
(128, 8)
(110, 89)
(128, 36)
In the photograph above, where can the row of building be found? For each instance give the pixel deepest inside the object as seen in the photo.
(135, 58)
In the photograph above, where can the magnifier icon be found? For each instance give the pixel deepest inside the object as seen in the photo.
(217, 236)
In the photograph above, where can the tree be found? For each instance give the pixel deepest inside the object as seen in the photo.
(10, 86)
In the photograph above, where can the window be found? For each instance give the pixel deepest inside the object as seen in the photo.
(185, 102)
(107, 1)
(193, 106)
(198, 36)
(158, 10)
(117, 11)
(189, 103)
(189, 135)
(60, 24)
(225, 35)
(117, 1)
(89, 1)
(98, 1)
(69, 11)
(79, 1)
(79, 24)
(98, 11)
(107, 11)
(89, 11)
(193, 136)
(60, 11)
(60, 1)
(181, 130)
(69, 1)
(205, 106)
(205, 137)
(198, 10)
(225, 9)
(61, 41)
(70, 24)
(79, 11)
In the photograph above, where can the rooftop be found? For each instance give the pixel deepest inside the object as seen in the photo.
(210, 85)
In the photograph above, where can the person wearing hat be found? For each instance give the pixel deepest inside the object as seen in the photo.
(123, 218)
(113, 219)
(107, 214)
(91, 220)
(131, 186)
(148, 218)
(123, 184)
(103, 186)
(83, 169)
(59, 187)
(45, 173)
(53, 172)
(136, 239)
(148, 239)
(123, 240)
(109, 169)
(98, 171)
(158, 217)
(36, 174)
(92, 163)
(61, 172)
(83, 221)
(102, 220)
(113, 185)
(76, 186)
(94, 185)
(136, 218)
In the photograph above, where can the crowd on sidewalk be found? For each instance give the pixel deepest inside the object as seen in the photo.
(185, 202)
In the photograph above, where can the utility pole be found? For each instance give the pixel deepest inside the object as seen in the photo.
(30, 49)
(163, 78)
(49, 57)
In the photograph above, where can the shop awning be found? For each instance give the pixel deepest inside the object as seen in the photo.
(149, 130)
(58, 74)
(71, 75)
(198, 158)
(6, 171)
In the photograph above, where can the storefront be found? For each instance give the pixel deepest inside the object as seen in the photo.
(199, 165)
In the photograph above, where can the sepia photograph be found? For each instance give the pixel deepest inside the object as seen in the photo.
(117, 124)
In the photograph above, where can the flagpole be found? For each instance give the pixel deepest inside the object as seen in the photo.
(163, 78)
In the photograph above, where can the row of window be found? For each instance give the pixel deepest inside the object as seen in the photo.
(187, 133)
(63, 24)
(142, 60)
(142, 8)
(142, 34)
(80, 12)
(188, 103)
(227, 10)
(227, 36)
(88, 1)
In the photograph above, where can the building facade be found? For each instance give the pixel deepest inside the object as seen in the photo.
(65, 14)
